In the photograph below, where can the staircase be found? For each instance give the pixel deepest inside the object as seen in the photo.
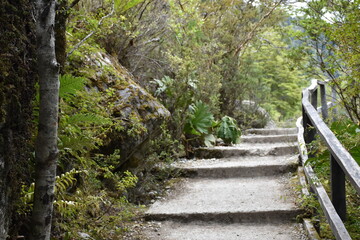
(236, 192)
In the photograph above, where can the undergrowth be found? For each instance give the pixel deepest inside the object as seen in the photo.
(92, 199)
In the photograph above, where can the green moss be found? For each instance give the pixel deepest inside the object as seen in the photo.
(17, 78)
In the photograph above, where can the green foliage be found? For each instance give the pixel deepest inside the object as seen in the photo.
(330, 31)
(209, 140)
(200, 119)
(271, 80)
(88, 118)
(177, 97)
(26, 199)
(66, 181)
(83, 125)
(228, 130)
(164, 85)
(348, 134)
(122, 6)
(89, 23)
(69, 85)
(98, 194)
(62, 184)
(128, 181)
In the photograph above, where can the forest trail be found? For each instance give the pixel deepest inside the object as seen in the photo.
(239, 192)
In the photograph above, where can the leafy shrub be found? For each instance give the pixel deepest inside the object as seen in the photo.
(199, 125)
(200, 119)
(228, 130)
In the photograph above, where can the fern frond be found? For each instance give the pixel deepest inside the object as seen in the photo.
(69, 85)
(67, 208)
(66, 180)
(78, 143)
(28, 195)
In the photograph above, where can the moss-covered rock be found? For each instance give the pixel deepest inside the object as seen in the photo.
(17, 77)
(139, 113)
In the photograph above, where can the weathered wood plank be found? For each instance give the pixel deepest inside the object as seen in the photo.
(324, 106)
(342, 156)
(311, 231)
(337, 226)
(338, 194)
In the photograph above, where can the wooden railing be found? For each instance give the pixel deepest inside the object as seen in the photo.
(342, 163)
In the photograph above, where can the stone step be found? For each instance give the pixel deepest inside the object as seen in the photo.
(233, 200)
(271, 131)
(247, 149)
(233, 192)
(170, 230)
(269, 138)
(238, 166)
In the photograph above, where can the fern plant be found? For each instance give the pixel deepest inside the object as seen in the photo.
(66, 181)
(83, 121)
(63, 183)
(69, 85)
(228, 130)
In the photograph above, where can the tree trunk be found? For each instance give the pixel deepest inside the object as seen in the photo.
(46, 150)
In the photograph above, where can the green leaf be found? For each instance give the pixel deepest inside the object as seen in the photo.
(209, 140)
(164, 85)
(228, 130)
(200, 119)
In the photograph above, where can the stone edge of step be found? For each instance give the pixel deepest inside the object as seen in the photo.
(271, 216)
(268, 138)
(238, 171)
(271, 131)
(223, 152)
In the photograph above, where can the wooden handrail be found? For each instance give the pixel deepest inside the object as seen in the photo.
(336, 224)
(342, 163)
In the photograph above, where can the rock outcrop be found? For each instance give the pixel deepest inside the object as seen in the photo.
(140, 113)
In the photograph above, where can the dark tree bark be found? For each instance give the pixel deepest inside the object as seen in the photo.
(17, 77)
(46, 150)
(62, 14)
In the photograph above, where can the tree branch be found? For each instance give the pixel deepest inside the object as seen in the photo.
(251, 34)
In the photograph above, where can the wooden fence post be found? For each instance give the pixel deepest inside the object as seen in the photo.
(333, 100)
(314, 98)
(309, 130)
(338, 194)
(324, 107)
